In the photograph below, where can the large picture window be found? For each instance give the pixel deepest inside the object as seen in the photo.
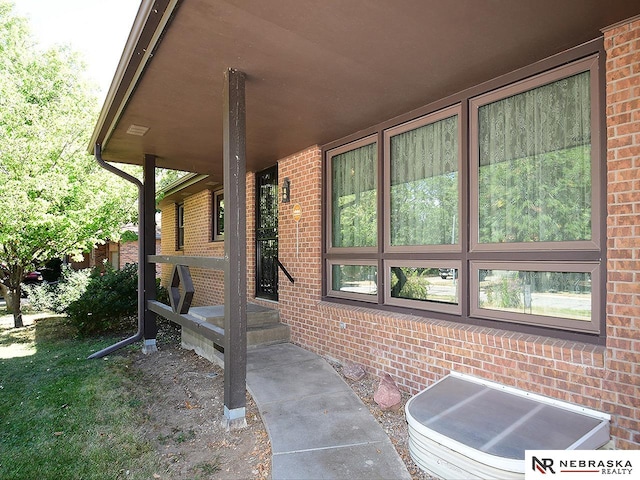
(486, 211)
(532, 163)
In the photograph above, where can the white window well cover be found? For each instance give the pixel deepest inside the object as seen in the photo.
(466, 427)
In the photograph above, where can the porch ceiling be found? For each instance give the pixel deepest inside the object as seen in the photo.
(317, 70)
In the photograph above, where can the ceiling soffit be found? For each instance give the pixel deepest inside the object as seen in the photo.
(318, 71)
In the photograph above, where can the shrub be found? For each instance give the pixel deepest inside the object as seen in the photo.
(505, 294)
(510, 293)
(57, 297)
(110, 301)
(96, 302)
(162, 294)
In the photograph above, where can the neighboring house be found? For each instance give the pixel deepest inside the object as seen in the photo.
(118, 254)
(127, 251)
(462, 193)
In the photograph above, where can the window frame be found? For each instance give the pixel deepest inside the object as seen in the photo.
(180, 226)
(363, 297)
(589, 64)
(365, 141)
(592, 268)
(431, 118)
(454, 308)
(216, 196)
(589, 255)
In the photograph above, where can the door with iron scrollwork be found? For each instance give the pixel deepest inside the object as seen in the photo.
(267, 234)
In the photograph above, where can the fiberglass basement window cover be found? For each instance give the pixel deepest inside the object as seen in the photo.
(466, 427)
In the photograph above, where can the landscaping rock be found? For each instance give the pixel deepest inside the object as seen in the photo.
(353, 371)
(387, 396)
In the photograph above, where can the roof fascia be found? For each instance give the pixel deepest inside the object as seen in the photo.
(182, 183)
(134, 56)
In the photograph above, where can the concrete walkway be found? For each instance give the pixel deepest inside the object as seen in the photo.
(319, 428)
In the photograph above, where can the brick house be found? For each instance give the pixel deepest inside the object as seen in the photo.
(127, 250)
(118, 254)
(544, 298)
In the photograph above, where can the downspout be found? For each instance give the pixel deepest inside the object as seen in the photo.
(141, 255)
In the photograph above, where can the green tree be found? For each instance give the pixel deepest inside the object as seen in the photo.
(54, 198)
(165, 177)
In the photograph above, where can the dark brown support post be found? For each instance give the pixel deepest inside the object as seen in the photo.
(235, 243)
(148, 223)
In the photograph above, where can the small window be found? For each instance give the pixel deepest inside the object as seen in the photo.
(180, 226)
(429, 285)
(115, 259)
(218, 216)
(355, 279)
(537, 293)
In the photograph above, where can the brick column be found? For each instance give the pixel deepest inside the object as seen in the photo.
(622, 44)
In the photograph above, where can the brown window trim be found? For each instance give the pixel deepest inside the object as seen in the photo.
(216, 236)
(368, 140)
(179, 226)
(455, 110)
(589, 254)
(589, 64)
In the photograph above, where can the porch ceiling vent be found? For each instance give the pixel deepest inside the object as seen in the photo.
(137, 130)
(465, 427)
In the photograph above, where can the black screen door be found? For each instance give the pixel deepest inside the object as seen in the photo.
(267, 233)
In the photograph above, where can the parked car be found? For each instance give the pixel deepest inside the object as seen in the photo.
(33, 278)
(447, 272)
(453, 273)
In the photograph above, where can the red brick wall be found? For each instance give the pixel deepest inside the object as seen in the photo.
(621, 384)
(198, 218)
(128, 253)
(418, 351)
(299, 247)
(168, 234)
(251, 237)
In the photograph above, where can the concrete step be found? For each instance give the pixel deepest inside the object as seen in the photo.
(257, 315)
(263, 328)
(268, 335)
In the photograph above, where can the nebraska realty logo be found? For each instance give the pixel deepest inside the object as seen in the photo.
(581, 463)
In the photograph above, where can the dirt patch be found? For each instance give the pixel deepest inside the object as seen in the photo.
(182, 410)
(183, 405)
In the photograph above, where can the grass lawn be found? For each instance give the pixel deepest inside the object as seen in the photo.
(63, 416)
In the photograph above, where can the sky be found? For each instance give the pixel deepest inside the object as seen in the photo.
(97, 29)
